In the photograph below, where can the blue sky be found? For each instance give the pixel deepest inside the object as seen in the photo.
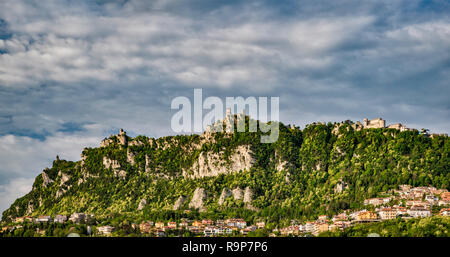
(73, 72)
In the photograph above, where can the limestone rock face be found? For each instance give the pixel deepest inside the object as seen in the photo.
(318, 166)
(282, 165)
(224, 195)
(237, 193)
(120, 173)
(30, 208)
(85, 176)
(335, 130)
(340, 186)
(109, 163)
(180, 201)
(46, 179)
(135, 143)
(130, 156)
(211, 164)
(64, 178)
(83, 158)
(63, 189)
(287, 178)
(106, 142)
(248, 195)
(142, 204)
(147, 163)
(123, 139)
(59, 193)
(197, 198)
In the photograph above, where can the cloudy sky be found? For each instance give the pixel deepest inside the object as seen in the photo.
(73, 72)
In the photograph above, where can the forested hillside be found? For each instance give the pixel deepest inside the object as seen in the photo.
(321, 169)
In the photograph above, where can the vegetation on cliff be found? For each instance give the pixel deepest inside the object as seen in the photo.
(321, 169)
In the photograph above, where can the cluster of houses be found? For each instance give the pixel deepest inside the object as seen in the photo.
(58, 218)
(406, 202)
(206, 227)
(414, 202)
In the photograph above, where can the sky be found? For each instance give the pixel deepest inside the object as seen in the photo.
(74, 72)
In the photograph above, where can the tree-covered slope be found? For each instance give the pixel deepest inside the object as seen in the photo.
(320, 169)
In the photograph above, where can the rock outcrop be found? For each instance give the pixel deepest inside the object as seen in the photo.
(179, 202)
(287, 178)
(130, 157)
(198, 198)
(282, 165)
(213, 164)
(147, 163)
(106, 142)
(46, 179)
(120, 173)
(110, 164)
(30, 208)
(123, 139)
(59, 193)
(135, 143)
(340, 186)
(237, 193)
(62, 190)
(85, 176)
(142, 204)
(64, 178)
(115, 166)
(224, 195)
(248, 195)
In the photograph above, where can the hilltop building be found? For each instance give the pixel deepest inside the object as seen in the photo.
(122, 137)
(375, 123)
(123, 140)
(398, 126)
(227, 124)
(380, 123)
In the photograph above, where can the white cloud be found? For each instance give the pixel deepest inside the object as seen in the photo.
(11, 191)
(23, 158)
(78, 48)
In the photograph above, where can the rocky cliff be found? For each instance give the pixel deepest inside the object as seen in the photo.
(322, 168)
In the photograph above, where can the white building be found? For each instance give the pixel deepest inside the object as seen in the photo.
(60, 218)
(419, 211)
(387, 213)
(310, 227)
(43, 219)
(431, 198)
(77, 217)
(240, 223)
(209, 231)
(105, 230)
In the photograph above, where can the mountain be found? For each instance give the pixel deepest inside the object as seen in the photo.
(321, 169)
